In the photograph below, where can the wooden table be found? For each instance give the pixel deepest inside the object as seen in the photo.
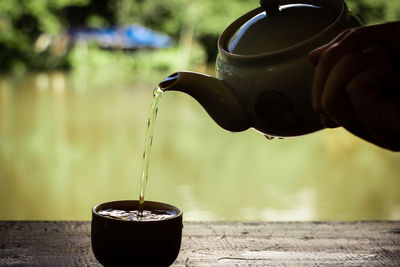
(66, 243)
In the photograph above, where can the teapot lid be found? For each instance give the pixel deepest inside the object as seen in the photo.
(279, 25)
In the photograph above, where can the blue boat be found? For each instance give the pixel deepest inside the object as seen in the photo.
(122, 37)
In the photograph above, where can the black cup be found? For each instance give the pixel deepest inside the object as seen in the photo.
(117, 242)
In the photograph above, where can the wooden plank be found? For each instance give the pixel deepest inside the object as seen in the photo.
(293, 244)
(62, 243)
(41, 243)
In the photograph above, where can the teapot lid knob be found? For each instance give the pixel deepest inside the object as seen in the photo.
(271, 7)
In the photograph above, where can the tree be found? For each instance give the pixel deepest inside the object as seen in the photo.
(21, 24)
(27, 27)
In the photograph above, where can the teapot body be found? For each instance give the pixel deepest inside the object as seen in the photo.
(276, 96)
(275, 88)
(264, 77)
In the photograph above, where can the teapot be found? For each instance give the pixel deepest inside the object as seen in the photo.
(264, 77)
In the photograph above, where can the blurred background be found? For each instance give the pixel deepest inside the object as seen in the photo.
(76, 81)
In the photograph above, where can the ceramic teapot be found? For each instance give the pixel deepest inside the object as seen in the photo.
(264, 74)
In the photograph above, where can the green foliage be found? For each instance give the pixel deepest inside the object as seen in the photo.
(206, 19)
(206, 16)
(24, 22)
(107, 66)
(375, 11)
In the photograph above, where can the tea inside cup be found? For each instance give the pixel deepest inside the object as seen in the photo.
(129, 240)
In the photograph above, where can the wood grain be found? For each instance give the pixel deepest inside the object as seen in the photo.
(67, 243)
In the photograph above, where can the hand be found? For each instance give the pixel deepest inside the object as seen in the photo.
(357, 83)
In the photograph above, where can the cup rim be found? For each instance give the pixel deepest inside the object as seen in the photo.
(166, 206)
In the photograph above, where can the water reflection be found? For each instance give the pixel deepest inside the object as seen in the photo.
(65, 147)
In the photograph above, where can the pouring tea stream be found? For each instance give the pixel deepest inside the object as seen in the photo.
(263, 73)
(264, 76)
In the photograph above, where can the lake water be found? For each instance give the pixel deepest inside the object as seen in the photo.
(66, 146)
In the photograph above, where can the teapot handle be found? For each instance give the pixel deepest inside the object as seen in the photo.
(271, 7)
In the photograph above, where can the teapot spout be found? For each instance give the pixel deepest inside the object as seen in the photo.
(214, 95)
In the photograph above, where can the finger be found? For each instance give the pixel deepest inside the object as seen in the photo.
(328, 60)
(381, 37)
(386, 34)
(315, 54)
(327, 122)
(334, 100)
(322, 71)
(378, 112)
